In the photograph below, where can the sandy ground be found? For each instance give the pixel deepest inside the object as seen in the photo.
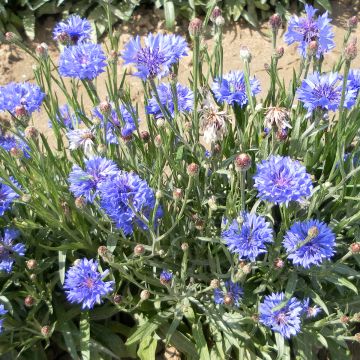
(16, 65)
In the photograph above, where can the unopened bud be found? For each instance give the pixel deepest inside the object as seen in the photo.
(144, 295)
(10, 37)
(215, 13)
(184, 246)
(45, 331)
(220, 21)
(16, 153)
(26, 198)
(228, 299)
(21, 112)
(33, 277)
(313, 232)
(161, 253)
(282, 135)
(246, 269)
(160, 122)
(275, 22)
(195, 27)
(101, 149)
(193, 169)
(117, 299)
(31, 264)
(158, 194)
(145, 136)
(240, 220)
(65, 208)
(80, 202)
(158, 141)
(313, 48)
(29, 301)
(356, 317)
(357, 337)
(242, 162)
(355, 248)
(279, 53)
(139, 250)
(350, 51)
(42, 50)
(215, 283)
(352, 22)
(165, 278)
(344, 319)
(31, 132)
(177, 194)
(217, 149)
(105, 108)
(245, 53)
(267, 67)
(279, 263)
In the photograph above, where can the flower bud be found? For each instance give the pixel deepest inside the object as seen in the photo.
(31, 132)
(184, 246)
(161, 253)
(313, 48)
(80, 202)
(267, 67)
(279, 52)
(240, 220)
(356, 317)
(158, 194)
(177, 194)
(215, 283)
(313, 232)
(65, 208)
(101, 149)
(193, 169)
(113, 56)
(139, 250)
(242, 162)
(245, 268)
(350, 51)
(352, 22)
(33, 277)
(105, 108)
(217, 149)
(158, 141)
(42, 50)
(198, 221)
(145, 136)
(212, 203)
(31, 264)
(21, 112)
(344, 319)
(102, 250)
(279, 263)
(220, 21)
(29, 301)
(275, 22)
(215, 13)
(117, 299)
(195, 27)
(228, 299)
(355, 248)
(160, 122)
(45, 331)
(282, 135)
(245, 53)
(144, 295)
(165, 278)
(10, 37)
(17, 153)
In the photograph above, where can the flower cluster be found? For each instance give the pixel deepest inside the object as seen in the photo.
(9, 250)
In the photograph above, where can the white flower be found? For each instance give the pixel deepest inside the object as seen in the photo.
(81, 138)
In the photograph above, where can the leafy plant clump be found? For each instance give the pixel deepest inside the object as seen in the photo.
(223, 222)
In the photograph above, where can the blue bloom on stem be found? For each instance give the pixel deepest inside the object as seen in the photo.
(66, 118)
(7, 195)
(165, 277)
(8, 142)
(230, 296)
(354, 80)
(126, 125)
(87, 182)
(157, 56)
(125, 197)
(286, 320)
(184, 98)
(309, 243)
(84, 284)
(309, 28)
(232, 89)
(3, 311)
(324, 92)
(310, 311)
(83, 61)
(280, 180)
(9, 250)
(248, 239)
(25, 94)
(76, 29)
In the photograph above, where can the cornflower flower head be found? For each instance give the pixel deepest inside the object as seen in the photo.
(323, 91)
(230, 295)
(67, 118)
(3, 312)
(84, 284)
(81, 138)
(9, 142)
(84, 61)
(232, 90)
(156, 57)
(354, 80)
(125, 197)
(280, 180)
(7, 195)
(166, 277)
(74, 29)
(25, 95)
(248, 239)
(310, 311)
(309, 243)
(86, 183)
(9, 250)
(277, 117)
(286, 320)
(306, 29)
(182, 95)
(126, 125)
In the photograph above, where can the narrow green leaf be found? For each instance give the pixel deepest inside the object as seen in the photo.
(200, 341)
(147, 348)
(85, 335)
(29, 24)
(169, 14)
(62, 262)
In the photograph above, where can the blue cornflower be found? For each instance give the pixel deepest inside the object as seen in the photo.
(354, 80)
(84, 284)
(280, 180)
(3, 311)
(166, 277)
(9, 250)
(126, 125)
(122, 195)
(286, 320)
(7, 195)
(230, 296)
(74, 29)
(66, 118)
(306, 29)
(324, 92)
(309, 243)
(232, 90)
(8, 142)
(184, 98)
(157, 56)
(26, 95)
(310, 311)
(248, 239)
(86, 182)
(82, 61)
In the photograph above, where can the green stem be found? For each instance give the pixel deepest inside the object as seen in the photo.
(196, 53)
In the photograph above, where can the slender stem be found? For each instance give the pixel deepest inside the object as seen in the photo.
(196, 52)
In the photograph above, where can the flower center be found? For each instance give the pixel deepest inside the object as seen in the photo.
(326, 91)
(89, 283)
(151, 59)
(281, 318)
(281, 181)
(310, 31)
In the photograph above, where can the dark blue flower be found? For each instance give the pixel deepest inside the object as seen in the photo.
(354, 80)
(166, 277)
(124, 197)
(8, 250)
(310, 311)
(286, 320)
(324, 92)
(8, 142)
(232, 90)
(25, 94)
(306, 29)
(76, 29)
(184, 98)
(82, 61)
(231, 295)
(309, 243)
(86, 182)
(280, 180)
(3, 311)
(84, 284)
(249, 238)
(157, 56)
(126, 125)
(7, 195)
(66, 118)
